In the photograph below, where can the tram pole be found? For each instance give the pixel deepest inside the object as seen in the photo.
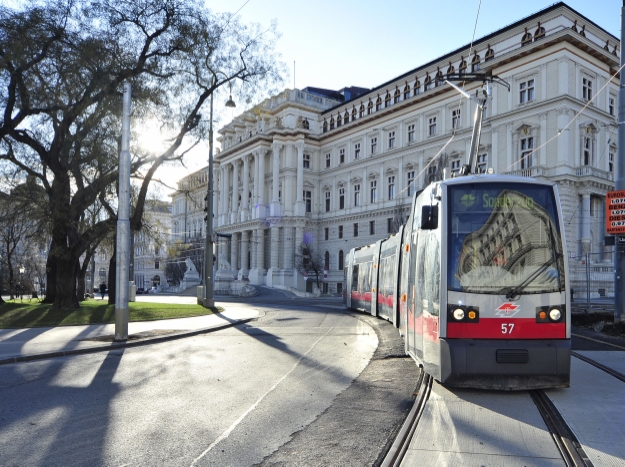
(619, 267)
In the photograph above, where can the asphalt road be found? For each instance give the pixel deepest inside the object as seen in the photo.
(287, 389)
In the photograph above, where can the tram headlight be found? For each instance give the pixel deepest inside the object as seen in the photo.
(555, 314)
(458, 314)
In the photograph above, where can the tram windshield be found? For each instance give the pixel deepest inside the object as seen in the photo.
(504, 238)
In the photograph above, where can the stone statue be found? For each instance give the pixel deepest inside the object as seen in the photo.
(190, 266)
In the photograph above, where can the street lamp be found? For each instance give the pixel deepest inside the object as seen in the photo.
(209, 300)
(22, 270)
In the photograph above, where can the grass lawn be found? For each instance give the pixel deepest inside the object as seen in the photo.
(33, 314)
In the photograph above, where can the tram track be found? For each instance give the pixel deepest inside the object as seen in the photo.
(398, 449)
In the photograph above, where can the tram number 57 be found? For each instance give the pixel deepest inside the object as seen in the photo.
(507, 328)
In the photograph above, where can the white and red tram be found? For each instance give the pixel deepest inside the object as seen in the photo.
(476, 283)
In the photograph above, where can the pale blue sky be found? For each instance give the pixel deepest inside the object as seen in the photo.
(366, 43)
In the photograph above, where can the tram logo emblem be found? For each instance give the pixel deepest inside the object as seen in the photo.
(467, 200)
(507, 310)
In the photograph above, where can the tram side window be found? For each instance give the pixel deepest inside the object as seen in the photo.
(419, 249)
(355, 277)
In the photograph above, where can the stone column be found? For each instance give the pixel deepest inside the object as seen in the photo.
(586, 223)
(298, 279)
(562, 142)
(300, 208)
(287, 246)
(542, 155)
(235, 192)
(261, 210)
(275, 200)
(260, 249)
(245, 247)
(234, 252)
(494, 152)
(245, 199)
(257, 272)
(223, 195)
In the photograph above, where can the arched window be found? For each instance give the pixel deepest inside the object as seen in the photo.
(156, 280)
(346, 116)
(355, 113)
(387, 100)
(378, 103)
(326, 261)
(463, 66)
(396, 96)
(325, 125)
(406, 91)
(362, 110)
(451, 69)
(416, 89)
(339, 121)
(340, 260)
(331, 123)
(475, 63)
(539, 33)
(490, 54)
(370, 107)
(527, 38)
(428, 82)
(438, 79)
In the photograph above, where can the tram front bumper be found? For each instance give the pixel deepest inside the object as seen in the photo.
(506, 364)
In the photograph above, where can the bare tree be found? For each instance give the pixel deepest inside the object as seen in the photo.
(62, 66)
(310, 262)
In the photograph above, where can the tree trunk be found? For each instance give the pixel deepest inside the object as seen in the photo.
(50, 278)
(80, 282)
(66, 284)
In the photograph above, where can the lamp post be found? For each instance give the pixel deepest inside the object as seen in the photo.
(20, 283)
(209, 300)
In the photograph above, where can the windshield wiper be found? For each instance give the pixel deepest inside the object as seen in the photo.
(519, 288)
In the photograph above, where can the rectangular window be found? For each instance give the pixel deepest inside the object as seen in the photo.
(356, 150)
(526, 91)
(374, 145)
(586, 89)
(307, 161)
(342, 156)
(341, 198)
(357, 194)
(411, 133)
(455, 166)
(455, 118)
(389, 225)
(411, 182)
(355, 229)
(327, 201)
(527, 147)
(391, 139)
(157, 265)
(432, 126)
(340, 231)
(587, 154)
(308, 200)
(328, 159)
(391, 187)
(611, 106)
(611, 159)
(326, 233)
(482, 163)
(374, 191)
(371, 227)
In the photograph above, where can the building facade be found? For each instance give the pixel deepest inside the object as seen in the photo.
(340, 168)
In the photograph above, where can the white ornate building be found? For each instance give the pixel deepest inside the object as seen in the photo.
(343, 166)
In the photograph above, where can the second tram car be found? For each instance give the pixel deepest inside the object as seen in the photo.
(476, 283)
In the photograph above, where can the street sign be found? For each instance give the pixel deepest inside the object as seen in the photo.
(615, 212)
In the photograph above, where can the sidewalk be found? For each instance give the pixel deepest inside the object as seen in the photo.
(27, 344)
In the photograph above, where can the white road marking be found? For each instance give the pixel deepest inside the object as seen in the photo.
(226, 433)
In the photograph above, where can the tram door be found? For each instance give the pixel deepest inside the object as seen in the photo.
(415, 298)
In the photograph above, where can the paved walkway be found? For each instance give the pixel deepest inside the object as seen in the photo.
(44, 342)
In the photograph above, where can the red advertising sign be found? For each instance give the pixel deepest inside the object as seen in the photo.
(615, 212)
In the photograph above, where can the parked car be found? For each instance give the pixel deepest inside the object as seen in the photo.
(140, 290)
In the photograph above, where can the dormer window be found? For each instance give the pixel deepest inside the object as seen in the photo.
(346, 117)
(396, 96)
(475, 63)
(378, 103)
(387, 100)
(325, 125)
(406, 91)
(355, 113)
(539, 33)
(527, 38)
(416, 88)
(427, 83)
(362, 110)
(490, 54)
(339, 121)
(463, 66)
(438, 79)
(451, 69)
(332, 123)
(370, 107)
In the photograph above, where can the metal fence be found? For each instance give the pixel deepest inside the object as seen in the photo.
(592, 278)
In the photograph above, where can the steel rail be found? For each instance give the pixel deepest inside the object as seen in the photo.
(608, 370)
(567, 443)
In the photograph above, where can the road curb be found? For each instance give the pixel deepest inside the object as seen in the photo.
(123, 345)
